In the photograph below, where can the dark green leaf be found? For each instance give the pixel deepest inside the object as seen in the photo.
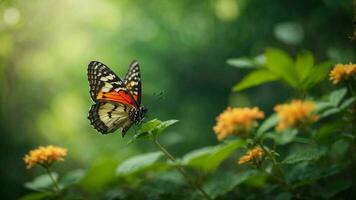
(337, 95)
(267, 124)
(347, 103)
(304, 155)
(283, 138)
(209, 158)
(39, 196)
(334, 187)
(255, 78)
(138, 163)
(223, 182)
(42, 182)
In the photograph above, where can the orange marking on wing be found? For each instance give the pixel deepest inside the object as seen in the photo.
(120, 96)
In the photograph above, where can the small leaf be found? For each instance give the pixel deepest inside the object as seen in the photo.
(241, 63)
(289, 32)
(334, 187)
(347, 103)
(223, 182)
(304, 155)
(151, 129)
(42, 182)
(269, 123)
(329, 112)
(209, 158)
(72, 177)
(304, 64)
(317, 74)
(161, 127)
(255, 78)
(39, 196)
(138, 163)
(282, 65)
(284, 137)
(337, 95)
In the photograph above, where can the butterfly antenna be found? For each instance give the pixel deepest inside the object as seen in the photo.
(159, 95)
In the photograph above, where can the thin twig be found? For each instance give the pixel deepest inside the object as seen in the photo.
(181, 170)
(52, 178)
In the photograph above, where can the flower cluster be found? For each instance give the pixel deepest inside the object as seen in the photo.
(342, 72)
(235, 120)
(254, 154)
(44, 156)
(295, 113)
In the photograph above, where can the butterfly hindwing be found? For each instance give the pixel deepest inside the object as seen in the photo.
(107, 117)
(105, 85)
(132, 81)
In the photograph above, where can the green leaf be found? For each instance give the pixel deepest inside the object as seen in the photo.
(99, 175)
(305, 173)
(72, 177)
(329, 112)
(282, 65)
(242, 62)
(161, 127)
(337, 96)
(284, 137)
(334, 187)
(152, 129)
(317, 74)
(289, 32)
(255, 78)
(267, 124)
(138, 163)
(347, 103)
(39, 196)
(209, 158)
(223, 182)
(304, 64)
(247, 63)
(42, 182)
(304, 155)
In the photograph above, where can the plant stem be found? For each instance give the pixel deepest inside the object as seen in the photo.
(181, 170)
(280, 178)
(53, 180)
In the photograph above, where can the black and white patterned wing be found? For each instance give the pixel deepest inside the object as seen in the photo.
(133, 81)
(107, 117)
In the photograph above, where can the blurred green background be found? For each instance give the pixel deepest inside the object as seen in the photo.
(182, 47)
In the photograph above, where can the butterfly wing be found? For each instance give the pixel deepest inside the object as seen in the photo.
(132, 81)
(106, 86)
(107, 117)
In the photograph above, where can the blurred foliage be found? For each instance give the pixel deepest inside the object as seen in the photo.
(182, 46)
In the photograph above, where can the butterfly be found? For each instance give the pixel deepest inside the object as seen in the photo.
(117, 103)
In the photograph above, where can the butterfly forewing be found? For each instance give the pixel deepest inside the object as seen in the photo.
(132, 81)
(105, 85)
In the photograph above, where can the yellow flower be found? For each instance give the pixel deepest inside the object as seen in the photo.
(342, 72)
(44, 156)
(295, 113)
(235, 120)
(254, 154)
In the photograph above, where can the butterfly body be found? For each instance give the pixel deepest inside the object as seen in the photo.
(117, 103)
